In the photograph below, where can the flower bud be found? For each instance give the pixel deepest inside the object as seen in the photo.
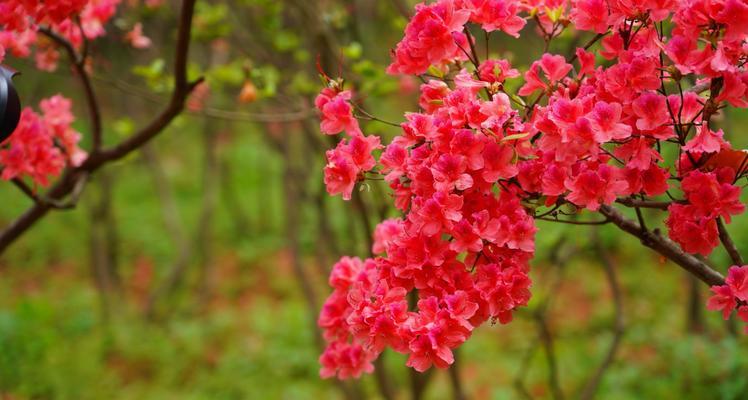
(248, 94)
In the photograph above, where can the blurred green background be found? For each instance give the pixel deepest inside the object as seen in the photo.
(178, 275)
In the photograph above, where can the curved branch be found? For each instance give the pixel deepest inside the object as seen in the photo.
(587, 46)
(71, 178)
(79, 65)
(182, 89)
(664, 246)
(52, 203)
(732, 250)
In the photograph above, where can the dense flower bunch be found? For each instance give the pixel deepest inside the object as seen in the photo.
(42, 145)
(732, 295)
(479, 162)
(75, 20)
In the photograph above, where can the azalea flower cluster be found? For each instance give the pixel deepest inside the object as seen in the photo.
(479, 162)
(732, 295)
(43, 144)
(75, 20)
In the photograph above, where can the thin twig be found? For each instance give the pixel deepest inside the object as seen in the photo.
(587, 46)
(78, 62)
(729, 245)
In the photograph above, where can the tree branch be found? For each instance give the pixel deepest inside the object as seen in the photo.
(729, 245)
(664, 246)
(70, 179)
(659, 205)
(586, 46)
(182, 89)
(51, 203)
(78, 61)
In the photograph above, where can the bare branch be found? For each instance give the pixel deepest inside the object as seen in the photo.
(659, 205)
(664, 246)
(182, 89)
(729, 245)
(52, 203)
(589, 44)
(69, 183)
(78, 62)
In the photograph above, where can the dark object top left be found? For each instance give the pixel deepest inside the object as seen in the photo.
(10, 104)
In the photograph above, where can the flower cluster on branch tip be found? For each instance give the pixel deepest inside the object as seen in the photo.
(629, 120)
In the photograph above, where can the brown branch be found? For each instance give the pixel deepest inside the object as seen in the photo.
(664, 246)
(70, 179)
(31, 194)
(75, 195)
(590, 388)
(182, 89)
(729, 245)
(587, 45)
(78, 62)
(634, 203)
